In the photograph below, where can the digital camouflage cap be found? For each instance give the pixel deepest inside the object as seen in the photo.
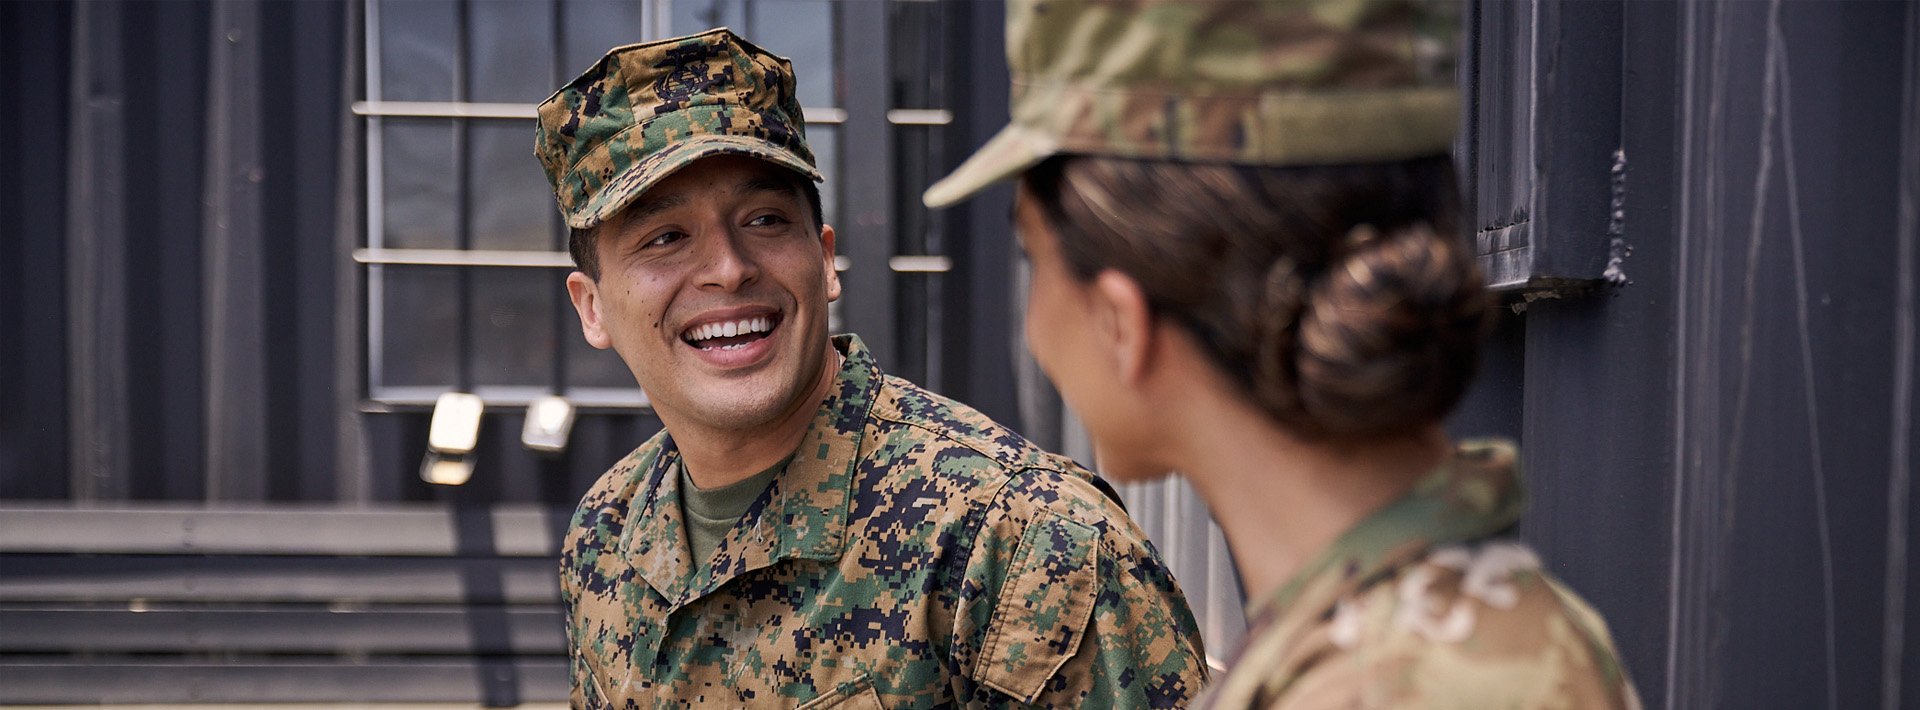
(647, 110)
(1256, 82)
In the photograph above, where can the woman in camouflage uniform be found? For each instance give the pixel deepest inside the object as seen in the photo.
(1247, 267)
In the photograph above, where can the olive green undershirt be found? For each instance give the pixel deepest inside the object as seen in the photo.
(712, 512)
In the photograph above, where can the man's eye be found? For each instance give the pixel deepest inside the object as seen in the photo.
(667, 238)
(767, 220)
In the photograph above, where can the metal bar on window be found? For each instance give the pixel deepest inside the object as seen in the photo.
(443, 109)
(464, 257)
(919, 117)
(825, 116)
(920, 264)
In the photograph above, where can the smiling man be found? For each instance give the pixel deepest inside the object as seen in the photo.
(806, 530)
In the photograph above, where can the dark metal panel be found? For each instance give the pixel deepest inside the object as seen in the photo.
(1544, 81)
(167, 141)
(100, 459)
(1702, 478)
(866, 231)
(301, 101)
(1598, 374)
(235, 275)
(1809, 520)
(331, 629)
(1577, 129)
(979, 305)
(1900, 644)
(1492, 406)
(506, 530)
(1899, 664)
(54, 679)
(1784, 410)
(34, 62)
(209, 578)
(352, 468)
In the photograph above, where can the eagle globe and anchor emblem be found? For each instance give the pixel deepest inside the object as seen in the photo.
(684, 81)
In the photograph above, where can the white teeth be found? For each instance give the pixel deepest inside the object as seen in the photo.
(730, 329)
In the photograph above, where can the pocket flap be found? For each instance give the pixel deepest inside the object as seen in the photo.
(1043, 608)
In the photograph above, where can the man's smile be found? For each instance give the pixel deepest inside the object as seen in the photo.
(734, 337)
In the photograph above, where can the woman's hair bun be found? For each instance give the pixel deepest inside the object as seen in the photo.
(1388, 334)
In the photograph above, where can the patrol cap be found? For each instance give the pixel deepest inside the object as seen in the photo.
(646, 110)
(1254, 82)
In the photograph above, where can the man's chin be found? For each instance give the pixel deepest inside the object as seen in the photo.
(735, 410)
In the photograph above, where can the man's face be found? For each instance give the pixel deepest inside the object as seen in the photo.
(714, 288)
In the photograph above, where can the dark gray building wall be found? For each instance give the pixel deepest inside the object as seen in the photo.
(1719, 450)
(33, 362)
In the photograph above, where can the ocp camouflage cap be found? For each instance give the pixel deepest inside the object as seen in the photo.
(646, 110)
(1255, 82)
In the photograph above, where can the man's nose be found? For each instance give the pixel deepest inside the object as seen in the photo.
(727, 264)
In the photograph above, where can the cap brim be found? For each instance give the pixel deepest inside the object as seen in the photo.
(1005, 156)
(629, 184)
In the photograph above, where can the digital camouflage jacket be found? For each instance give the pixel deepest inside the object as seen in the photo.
(914, 554)
(1423, 605)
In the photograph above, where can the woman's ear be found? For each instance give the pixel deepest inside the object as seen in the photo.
(1126, 322)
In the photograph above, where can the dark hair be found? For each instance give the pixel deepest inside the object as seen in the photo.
(1339, 295)
(581, 243)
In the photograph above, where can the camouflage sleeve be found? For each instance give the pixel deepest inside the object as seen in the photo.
(581, 695)
(585, 536)
(1065, 604)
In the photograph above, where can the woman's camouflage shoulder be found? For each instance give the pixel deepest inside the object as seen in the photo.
(1464, 626)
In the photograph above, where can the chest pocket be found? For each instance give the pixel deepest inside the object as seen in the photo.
(1044, 606)
(857, 694)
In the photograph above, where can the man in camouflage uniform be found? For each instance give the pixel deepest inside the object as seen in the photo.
(876, 545)
(1427, 602)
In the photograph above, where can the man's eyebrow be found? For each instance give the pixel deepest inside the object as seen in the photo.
(645, 208)
(765, 184)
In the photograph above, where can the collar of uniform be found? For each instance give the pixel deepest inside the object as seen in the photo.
(1475, 493)
(802, 515)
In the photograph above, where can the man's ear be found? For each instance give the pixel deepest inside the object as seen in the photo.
(1126, 322)
(826, 254)
(586, 300)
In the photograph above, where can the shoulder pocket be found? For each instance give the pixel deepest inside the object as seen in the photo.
(1043, 608)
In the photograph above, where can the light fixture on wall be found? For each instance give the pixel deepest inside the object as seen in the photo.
(451, 437)
(549, 421)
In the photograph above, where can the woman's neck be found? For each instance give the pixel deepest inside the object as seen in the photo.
(1282, 499)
